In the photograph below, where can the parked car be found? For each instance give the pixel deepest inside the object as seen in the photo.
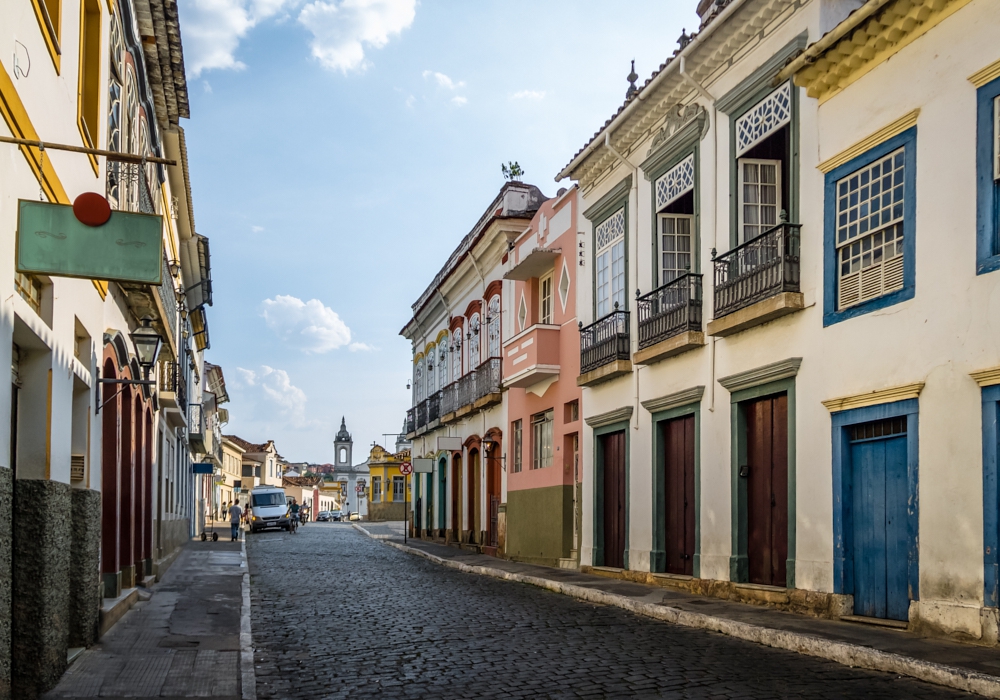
(324, 516)
(336, 516)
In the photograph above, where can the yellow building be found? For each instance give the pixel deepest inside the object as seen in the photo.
(388, 489)
(230, 475)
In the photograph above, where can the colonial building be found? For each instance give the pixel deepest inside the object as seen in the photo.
(541, 361)
(95, 465)
(800, 404)
(261, 465)
(352, 478)
(458, 417)
(388, 488)
(231, 473)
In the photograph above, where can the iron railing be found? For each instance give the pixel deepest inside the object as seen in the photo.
(168, 298)
(421, 414)
(488, 376)
(172, 379)
(670, 310)
(760, 268)
(434, 407)
(604, 341)
(411, 423)
(466, 390)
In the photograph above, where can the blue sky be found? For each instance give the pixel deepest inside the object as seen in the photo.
(340, 149)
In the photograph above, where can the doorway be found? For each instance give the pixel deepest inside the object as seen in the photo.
(493, 495)
(678, 439)
(474, 486)
(456, 498)
(442, 495)
(612, 497)
(765, 472)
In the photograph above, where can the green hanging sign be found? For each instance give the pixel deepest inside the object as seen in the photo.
(52, 241)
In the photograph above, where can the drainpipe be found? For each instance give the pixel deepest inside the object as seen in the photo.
(634, 233)
(705, 94)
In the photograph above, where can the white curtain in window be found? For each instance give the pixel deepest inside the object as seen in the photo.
(760, 196)
(675, 246)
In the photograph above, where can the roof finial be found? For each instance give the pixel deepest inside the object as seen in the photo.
(632, 77)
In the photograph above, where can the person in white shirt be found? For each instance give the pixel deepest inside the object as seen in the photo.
(235, 513)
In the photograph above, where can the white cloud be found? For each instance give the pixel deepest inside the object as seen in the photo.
(310, 325)
(342, 29)
(213, 29)
(207, 87)
(443, 80)
(528, 95)
(246, 376)
(361, 347)
(271, 394)
(459, 100)
(256, 229)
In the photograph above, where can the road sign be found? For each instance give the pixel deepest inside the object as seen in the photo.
(360, 489)
(405, 468)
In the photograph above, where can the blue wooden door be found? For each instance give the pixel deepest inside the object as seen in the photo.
(879, 514)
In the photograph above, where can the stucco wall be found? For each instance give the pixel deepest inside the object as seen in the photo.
(540, 524)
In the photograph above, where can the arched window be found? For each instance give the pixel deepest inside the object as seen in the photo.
(418, 381)
(442, 362)
(456, 354)
(432, 369)
(474, 342)
(493, 327)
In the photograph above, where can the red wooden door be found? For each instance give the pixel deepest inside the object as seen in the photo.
(456, 498)
(678, 481)
(473, 495)
(613, 458)
(492, 495)
(767, 489)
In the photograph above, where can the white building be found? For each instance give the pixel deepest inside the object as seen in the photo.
(802, 401)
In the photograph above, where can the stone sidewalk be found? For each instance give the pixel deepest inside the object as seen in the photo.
(182, 642)
(962, 666)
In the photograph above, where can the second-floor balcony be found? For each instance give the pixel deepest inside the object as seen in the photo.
(604, 349)
(196, 429)
(172, 389)
(670, 319)
(425, 414)
(757, 281)
(531, 356)
(476, 390)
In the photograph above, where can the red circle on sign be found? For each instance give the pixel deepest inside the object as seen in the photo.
(91, 209)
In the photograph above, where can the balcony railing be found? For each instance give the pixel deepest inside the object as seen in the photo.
(172, 380)
(488, 377)
(604, 341)
(196, 428)
(421, 414)
(434, 407)
(465, 391)
(411, 420)
(760, 268)
(670, 310)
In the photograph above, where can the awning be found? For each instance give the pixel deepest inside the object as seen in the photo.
(537, 262)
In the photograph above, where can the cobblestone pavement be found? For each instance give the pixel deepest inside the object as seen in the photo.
(336, 614)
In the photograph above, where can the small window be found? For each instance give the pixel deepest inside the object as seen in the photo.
(760, 196)
(564, 286)
(675, 246)
(541, 440)
(30, 289)
(90, 71)
(376, 489)
(398, 485)
(545, 299)
(516, 466)
(571, 411)
(610, 283)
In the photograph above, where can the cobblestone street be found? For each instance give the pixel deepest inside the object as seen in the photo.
(336, 614)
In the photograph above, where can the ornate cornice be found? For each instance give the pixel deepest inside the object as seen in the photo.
(987, 377)
(874, 398)
(762, 375)
(685, 126)
(985, 75)
(867, 38)
(616, 416)
(675, 400)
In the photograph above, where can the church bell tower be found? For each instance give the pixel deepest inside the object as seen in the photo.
(343, 446)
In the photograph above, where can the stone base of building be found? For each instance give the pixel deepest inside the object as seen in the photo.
(814, 603)
(40, 616)
(84, 560)
(538, 525)
(382, 512)
(961, 622)
(6, 509)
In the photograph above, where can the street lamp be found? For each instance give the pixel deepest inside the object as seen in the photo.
(488, 444)
(147, 343)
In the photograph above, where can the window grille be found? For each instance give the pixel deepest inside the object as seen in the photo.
(541, 440)
(517, 447)
(675, 246)
(760, 196)
(677, 181)
(763, 119)
(879, 429)
(545, 299)
(870, 204)
(611, 263)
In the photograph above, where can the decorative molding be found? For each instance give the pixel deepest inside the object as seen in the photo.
(680, 398)
(764, 118)
(866, 40)
(616, 416)
(762, 375)
(762, 78)
(609, 201)
(884, 134)
(875, 398)
(987, 377)
(985, 75)
(686, 125)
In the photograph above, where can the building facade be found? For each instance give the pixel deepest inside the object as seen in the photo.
(801, 396)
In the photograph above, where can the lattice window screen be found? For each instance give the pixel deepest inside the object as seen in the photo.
(763, 119)
(611, 229)
(677, 181)
(870, 204)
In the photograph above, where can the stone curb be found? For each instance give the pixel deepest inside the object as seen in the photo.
(373, 536)
(841, 652)
(248, 679)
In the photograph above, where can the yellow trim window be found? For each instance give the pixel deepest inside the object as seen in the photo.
(49, 15)
(89, 89)
(30, 289)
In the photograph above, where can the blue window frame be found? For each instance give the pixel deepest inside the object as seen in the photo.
(991, 495)
(870, 230)
(988, 177)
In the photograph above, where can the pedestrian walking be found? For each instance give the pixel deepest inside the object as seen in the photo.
(235, 514)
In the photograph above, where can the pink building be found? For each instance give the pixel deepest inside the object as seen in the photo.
(541, 361)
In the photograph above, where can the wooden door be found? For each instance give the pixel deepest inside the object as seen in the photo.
(678, 486)
(456, 499)
(879, 519)
(767, 489)
(473, 495)
(492, 496)
(613, 482)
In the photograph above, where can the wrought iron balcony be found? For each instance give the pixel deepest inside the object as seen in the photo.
(762, 267)
(604, 341)
(421, 410)
(434, 407)
(411, 423)
(670, 310)
(196, 429)
(489, 376)
(173, 389)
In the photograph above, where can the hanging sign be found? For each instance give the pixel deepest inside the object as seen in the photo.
(53, 240)
(449, 443)
(423, 466)
(203, 467)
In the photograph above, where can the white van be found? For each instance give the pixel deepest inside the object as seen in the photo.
(268, 508)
